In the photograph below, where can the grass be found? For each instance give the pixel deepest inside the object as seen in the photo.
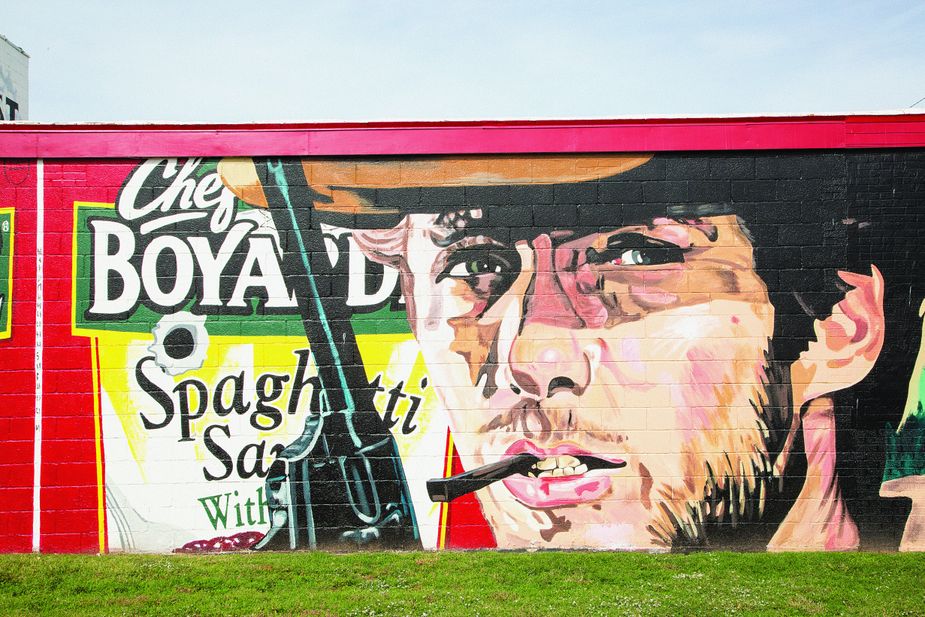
(475, 583)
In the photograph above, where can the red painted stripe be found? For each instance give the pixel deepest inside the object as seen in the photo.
(885, 132)
(466, 525)
(650, 135)
(69, 488)
(17, 357)
(104, 542)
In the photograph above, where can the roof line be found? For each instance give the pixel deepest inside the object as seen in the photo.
(112, 140)
(400, 123)
(18, 48)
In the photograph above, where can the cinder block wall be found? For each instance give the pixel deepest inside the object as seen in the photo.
(622, 351)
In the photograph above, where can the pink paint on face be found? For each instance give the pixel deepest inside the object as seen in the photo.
(558, 491)
(652, 296)
(549, 356)
(557, 296)
(669, 389)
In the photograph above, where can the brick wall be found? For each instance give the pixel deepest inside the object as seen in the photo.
(618, 351)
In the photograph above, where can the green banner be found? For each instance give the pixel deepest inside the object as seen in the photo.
(6, 271)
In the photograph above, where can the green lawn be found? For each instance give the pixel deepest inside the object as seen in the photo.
(448, 583)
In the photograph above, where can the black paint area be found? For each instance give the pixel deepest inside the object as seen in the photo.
(179, 343)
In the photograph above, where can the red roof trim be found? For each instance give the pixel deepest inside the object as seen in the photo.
(26, 140)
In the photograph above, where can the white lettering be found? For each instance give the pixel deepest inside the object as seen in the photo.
(260, 254)
(356, 281)
(213, 266)
(118, 262)
(184, 192)
(211, 184)
(182, 276)
(127, 206)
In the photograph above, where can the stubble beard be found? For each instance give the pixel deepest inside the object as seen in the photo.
(725, 478)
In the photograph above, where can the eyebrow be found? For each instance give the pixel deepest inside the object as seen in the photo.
(454, 225)
(644, 214)
(696, 211)
(450, 226)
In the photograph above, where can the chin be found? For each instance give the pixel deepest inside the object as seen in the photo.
(607, 524)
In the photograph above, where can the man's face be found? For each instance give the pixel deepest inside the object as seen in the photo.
(644, 345)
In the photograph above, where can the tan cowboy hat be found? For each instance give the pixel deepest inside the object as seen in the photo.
(352, 186)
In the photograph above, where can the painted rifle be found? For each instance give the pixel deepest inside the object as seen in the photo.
(341, 482)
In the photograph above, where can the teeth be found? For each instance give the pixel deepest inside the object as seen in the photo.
(558, 466)
(560, 472)
(562, 462)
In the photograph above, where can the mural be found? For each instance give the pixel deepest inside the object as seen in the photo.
(604, 351)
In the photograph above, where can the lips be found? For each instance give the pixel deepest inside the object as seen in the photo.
(564, 475)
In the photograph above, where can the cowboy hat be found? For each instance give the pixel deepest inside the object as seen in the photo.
(367, 191)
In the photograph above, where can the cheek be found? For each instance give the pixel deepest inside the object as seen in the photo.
(703, 344)
(471, 343)
(690, 369)
(445, 319)
(706, 340)
(435, 303)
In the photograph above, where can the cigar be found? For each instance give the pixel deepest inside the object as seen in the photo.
(448, 489)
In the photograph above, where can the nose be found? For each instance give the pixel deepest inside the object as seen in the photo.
(546, 355)
(545, 361)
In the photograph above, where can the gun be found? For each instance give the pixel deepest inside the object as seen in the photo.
(341, 482)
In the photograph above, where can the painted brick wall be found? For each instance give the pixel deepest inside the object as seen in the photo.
(576, 350)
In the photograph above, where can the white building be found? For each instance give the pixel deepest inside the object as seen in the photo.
(14, 81)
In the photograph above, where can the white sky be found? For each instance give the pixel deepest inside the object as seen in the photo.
(256, 61)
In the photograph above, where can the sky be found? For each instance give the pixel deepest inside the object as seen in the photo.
(353, 60)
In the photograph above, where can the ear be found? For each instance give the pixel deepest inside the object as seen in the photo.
(847, 343)
(384, 246)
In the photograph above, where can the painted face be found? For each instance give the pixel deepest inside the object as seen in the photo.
(631, 362)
